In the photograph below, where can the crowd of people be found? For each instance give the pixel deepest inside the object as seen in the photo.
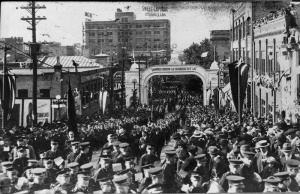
(189, 150)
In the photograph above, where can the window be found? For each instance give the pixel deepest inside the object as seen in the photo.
(91, 40)
(92, 34)
(139, 26)
(156, 25)
(139, 39)
(109, 40)
(23, 93)
(100, 40)
(156, 32)
(109, 33)
(147, 25)
(138, 46)
(45, 93)
(138, 33)
(156, 39)
(148, 39)
(148, 32)
(165, 32)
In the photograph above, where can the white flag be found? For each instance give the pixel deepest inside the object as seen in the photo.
(100, 99)
(204, 54)
(104, 100)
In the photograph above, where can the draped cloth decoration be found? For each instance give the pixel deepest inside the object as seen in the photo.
(234, 83)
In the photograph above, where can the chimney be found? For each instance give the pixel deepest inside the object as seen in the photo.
(119, 10)
(58, 66)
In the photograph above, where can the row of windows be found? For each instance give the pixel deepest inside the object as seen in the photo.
(127, 40)
(240, 30)
(102, 27)
(91, 34)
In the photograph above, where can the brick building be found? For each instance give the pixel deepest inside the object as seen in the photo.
(142, 36)
(52, 78)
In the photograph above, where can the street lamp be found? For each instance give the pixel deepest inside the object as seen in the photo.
(58, 103)
(134, 92)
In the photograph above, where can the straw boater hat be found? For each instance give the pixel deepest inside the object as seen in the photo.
(262, 144)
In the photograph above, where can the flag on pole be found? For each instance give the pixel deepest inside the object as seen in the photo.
(87, 14)
(72, 120)
(104, 101)
(204, 54)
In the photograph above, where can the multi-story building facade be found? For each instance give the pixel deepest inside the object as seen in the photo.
(140, 36)
(242, 44)
(56, 49)
(221, 41)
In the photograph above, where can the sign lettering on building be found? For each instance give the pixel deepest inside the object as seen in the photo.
(221, 76)
(175, 69)
(94, 76)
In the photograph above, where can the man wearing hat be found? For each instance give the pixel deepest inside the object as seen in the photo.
(83, 182)
(293, 169)
(157, 181)
(73, 170)
(202, 167)
(235, 166)
(106, 185)
(21, 162)
(261, 157)
(83, 156)
(105, 169)
(217, 166)
(125, 153)
(236, 184)
(149, 157)
(14, 151)
(169, 173)
(196, 180)
(271, 185)
(296, 149)
(285, 180)
(146, 181)
(248, 171)
(29, 149)
(5, 165)
(287, 151)
(116, 156)
(38, 180)
(121, 183)
(63, 179)
(50, 174)
(75, 151)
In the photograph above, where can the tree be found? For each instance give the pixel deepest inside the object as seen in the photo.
(192, 55)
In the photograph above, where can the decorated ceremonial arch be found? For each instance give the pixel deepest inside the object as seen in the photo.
(209, 77)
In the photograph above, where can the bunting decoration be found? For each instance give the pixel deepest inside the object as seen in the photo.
(10, 94)
(234, 83)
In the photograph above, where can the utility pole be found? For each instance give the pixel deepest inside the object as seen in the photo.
(122, 81)
(4, 79)
(32, 8)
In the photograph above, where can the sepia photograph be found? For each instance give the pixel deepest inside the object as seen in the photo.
(149, 97)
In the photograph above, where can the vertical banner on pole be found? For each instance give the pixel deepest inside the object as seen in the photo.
(104, 100)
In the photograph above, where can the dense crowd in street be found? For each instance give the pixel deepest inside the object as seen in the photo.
(186, 148)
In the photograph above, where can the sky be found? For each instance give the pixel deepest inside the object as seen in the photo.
(190, 21)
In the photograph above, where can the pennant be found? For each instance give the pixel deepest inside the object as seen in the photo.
(72, 117)
(104, 100)
(204, 54)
